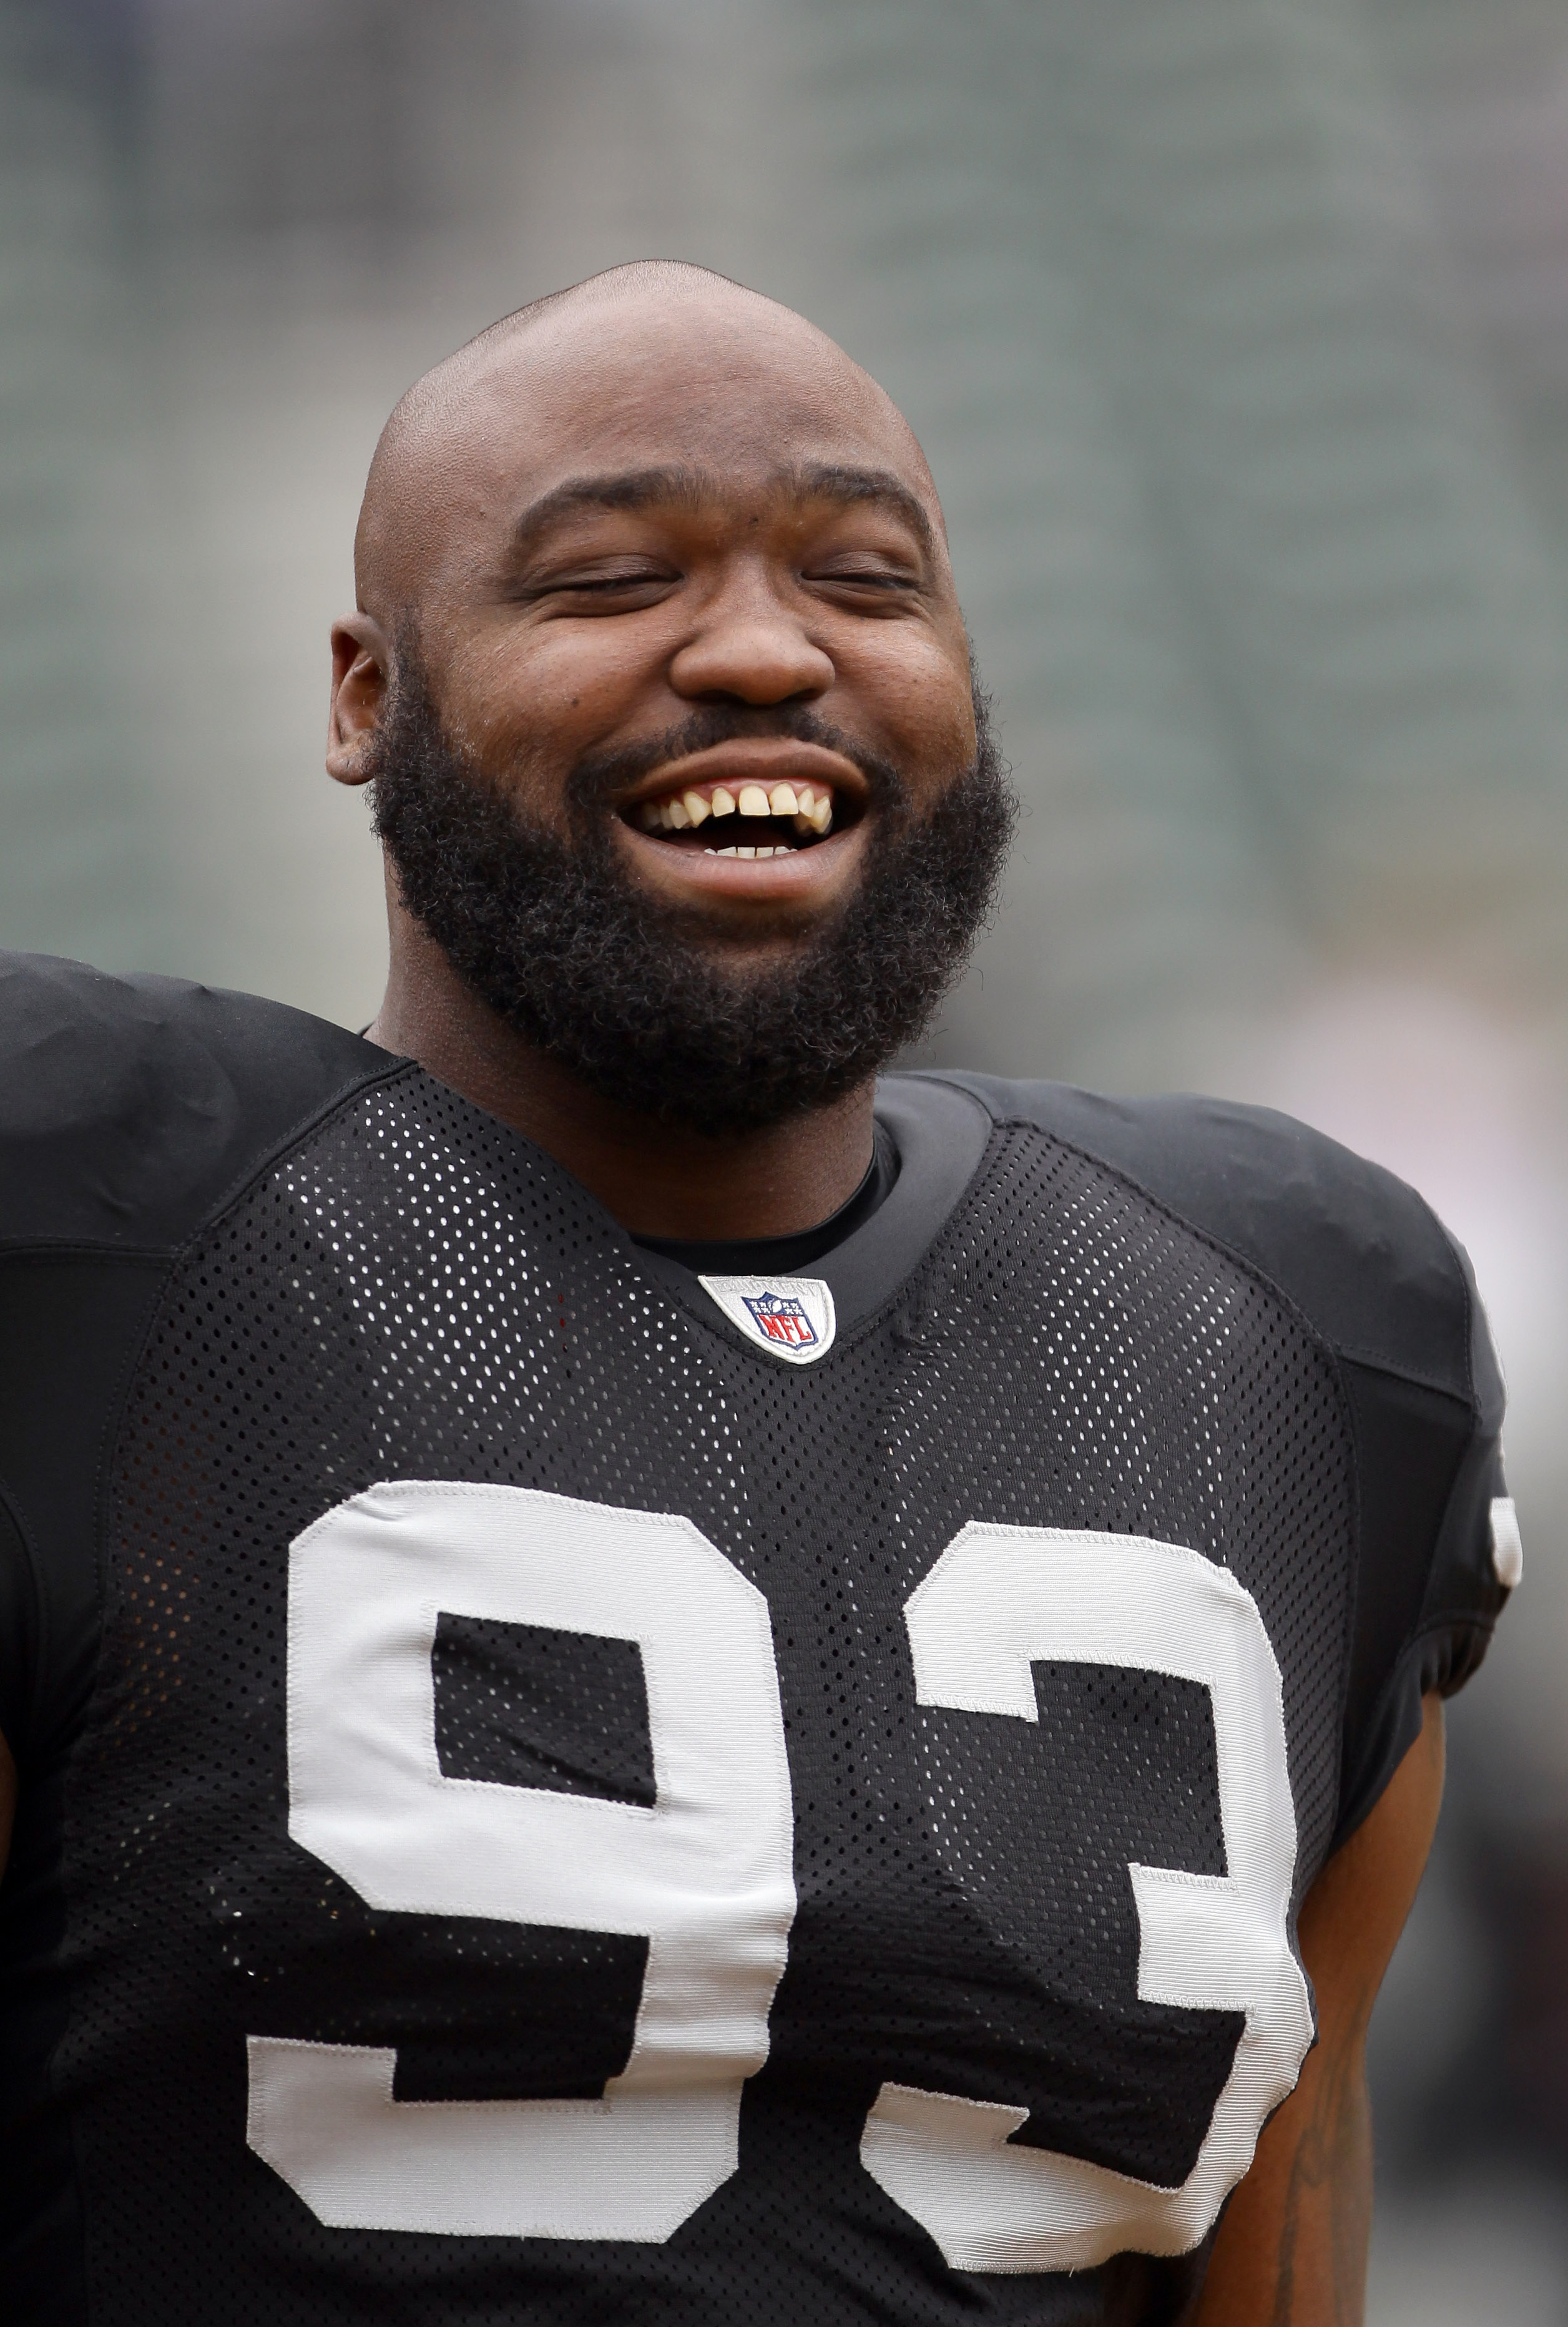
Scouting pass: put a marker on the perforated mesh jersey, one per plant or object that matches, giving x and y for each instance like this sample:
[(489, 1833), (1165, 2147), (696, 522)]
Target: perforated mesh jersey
[(1160, 1329)]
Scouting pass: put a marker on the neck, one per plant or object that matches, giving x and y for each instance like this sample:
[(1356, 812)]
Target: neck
[(657, 1178)]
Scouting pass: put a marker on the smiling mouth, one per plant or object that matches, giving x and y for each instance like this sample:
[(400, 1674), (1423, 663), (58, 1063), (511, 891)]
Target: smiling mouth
[(740, 819)]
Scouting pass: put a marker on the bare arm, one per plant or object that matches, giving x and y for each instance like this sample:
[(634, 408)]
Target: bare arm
[(1291, 2251)]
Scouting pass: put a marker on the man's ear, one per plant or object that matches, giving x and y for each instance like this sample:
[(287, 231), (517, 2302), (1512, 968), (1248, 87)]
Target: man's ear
[(361, 675)]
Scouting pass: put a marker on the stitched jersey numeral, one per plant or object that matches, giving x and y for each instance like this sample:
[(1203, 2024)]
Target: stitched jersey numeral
[(704, 1874), (999, 1600)]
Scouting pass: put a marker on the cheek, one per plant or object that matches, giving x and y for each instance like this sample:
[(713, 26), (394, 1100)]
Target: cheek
[(541, 698), (919, 692)]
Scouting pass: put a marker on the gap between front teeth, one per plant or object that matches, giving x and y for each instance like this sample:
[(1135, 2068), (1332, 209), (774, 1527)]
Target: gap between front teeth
[(810, 809)]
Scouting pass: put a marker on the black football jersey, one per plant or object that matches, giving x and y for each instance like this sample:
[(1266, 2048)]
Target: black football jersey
[(562, 1786)]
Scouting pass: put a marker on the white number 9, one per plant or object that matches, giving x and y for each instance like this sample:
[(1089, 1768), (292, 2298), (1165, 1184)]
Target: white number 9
[(705, 1874)]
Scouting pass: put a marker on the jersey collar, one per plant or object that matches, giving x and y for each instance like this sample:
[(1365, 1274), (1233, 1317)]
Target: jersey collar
[(941, 1132)]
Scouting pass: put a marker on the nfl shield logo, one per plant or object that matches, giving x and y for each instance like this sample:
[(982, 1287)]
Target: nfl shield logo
[(782, 1318), (790, 1317)]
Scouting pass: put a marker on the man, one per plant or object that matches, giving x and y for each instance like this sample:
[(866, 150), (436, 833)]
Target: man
[(650, 1679)]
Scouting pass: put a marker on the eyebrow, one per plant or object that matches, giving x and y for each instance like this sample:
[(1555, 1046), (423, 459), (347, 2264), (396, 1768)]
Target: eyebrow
[(695, 488)]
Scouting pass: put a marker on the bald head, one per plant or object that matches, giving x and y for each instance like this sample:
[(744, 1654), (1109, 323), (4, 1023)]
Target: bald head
[(654, 364)]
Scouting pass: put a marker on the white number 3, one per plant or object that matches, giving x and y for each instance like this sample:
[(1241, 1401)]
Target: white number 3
[(705, 1873), (999, 1599)]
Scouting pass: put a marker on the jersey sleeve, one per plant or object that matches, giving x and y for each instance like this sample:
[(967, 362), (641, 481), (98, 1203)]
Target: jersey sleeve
[(1440, 1550), (131, 1109)]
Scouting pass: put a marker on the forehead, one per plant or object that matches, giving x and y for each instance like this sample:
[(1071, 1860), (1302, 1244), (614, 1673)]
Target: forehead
[(747, 397)]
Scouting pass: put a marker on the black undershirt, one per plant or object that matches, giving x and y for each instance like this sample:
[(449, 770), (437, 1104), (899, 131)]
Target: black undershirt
[(786, 1256)]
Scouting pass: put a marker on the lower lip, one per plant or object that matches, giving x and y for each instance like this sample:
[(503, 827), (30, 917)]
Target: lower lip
[(800, 873)]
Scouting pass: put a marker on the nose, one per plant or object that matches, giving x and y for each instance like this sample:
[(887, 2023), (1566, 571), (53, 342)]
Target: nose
[(750, 648)]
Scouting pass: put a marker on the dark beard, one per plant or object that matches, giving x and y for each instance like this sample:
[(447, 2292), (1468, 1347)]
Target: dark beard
[(557, 939)]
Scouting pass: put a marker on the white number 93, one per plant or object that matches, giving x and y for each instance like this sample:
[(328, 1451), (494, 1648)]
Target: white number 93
[(705, 1874)]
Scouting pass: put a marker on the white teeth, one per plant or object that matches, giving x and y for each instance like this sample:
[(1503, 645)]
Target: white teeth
[(807, 809)]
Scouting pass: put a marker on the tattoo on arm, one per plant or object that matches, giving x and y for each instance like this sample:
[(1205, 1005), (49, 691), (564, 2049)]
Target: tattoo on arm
[(1330, 2169)]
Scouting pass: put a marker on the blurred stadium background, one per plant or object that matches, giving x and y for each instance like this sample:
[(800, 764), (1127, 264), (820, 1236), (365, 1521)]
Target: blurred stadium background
[(1237, 334)]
